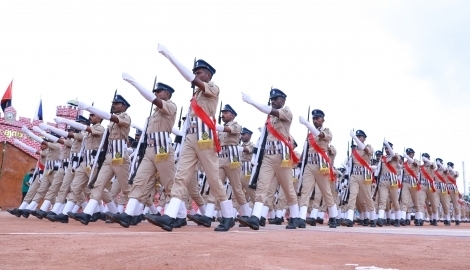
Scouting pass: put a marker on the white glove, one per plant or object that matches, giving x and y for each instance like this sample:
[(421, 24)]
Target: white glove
[(425, 159), (43, 133), (389, 147), (408, 158), (31, 135), (262, 107), (450, 169), (359, 144), (30, 181), (219, 128), (23, 145), (129, 151), (101, 114), (75, 125), (148, 95), (240, 148), (176, 132), (57, 131), (134, 125), (373, 167), (310, 127), (185, 72)]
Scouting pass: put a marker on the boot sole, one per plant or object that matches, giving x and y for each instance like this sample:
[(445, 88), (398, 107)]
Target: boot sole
[(125, 225), (249, 225), (166, 228)]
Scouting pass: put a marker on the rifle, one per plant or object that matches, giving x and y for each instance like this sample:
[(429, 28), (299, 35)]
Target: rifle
[(402, 175), (141, 146), (259, 152), (304, 159), (219, 121), (378, 175), (102, 150)]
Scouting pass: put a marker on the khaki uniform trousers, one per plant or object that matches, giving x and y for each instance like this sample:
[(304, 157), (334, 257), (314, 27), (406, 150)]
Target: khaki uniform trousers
[(425, 195), (271, 169), (271, 194), (233, 176), (54, 188), (105, 175), (386, 190), (46, 182), (148, 195), (445, 201), (32, 190), (311, 177), (409, 198), (146, 173), (115, 193), (454, 196), (78, 185), (193, 191), (317, 197), (189, 157), (249, 192), (65, 186), (360, 191)]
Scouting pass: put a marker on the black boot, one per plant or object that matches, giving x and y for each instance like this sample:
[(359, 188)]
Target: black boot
[(14, 212), (262, 221), (252, 222), (245, 217), (434, 222), (320, 220), (348, 223), (180, 222), (387, 223), (24, 212), (373, 223), (202, 220), (278, 221), (122, 219), (311, 221), (293, 223), (402, 222), (165, 222), (380, 222), (95, 217), (447, 223), (397, 223), (332, 222), (82, 217), (301, 223), (60, 217), (407, 222), (225, 225), (36, 213), (457, 223), (416, 222), (365, 223)]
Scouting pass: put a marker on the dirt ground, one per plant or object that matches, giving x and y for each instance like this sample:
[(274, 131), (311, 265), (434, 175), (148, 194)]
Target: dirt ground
[(39, 244)]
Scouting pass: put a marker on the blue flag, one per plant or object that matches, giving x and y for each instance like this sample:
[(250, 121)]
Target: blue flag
[(38, 115)]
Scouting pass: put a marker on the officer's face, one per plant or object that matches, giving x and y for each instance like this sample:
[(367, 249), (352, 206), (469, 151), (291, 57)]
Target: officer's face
[(361, 138), (386, 151), (278, 102), (246, 137), (227, 116), (43, 146), (162, 94), (119, 107), (94, 119), (318, 121), (411, 155), (203, 74)]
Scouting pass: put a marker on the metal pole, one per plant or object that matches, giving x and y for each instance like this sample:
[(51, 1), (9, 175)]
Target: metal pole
[(465, 192)]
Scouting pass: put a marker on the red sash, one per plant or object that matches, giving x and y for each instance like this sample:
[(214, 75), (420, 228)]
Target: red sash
[(391, 169), (278, 136), (363, 163), (428, 177), (451, 179), (442, 179), (40, 165), (201, 114), (412, 173), (322, 153)]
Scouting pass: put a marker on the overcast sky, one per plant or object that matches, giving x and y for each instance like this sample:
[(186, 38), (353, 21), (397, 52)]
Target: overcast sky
[(395, 69)]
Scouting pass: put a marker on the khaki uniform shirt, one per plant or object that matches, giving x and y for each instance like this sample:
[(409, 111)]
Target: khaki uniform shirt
[(120, 131), (77, 142), (246, 157), (362, 153), (281, 124), (207, 99), (322, 142), (54, 151), (232, 137), (93, 139), (162, 120)]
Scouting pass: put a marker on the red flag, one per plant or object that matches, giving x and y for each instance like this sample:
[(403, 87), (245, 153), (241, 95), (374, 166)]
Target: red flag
[(6, 99)]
